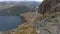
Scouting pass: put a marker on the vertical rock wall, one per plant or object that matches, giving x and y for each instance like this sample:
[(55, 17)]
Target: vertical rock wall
[(48, 6), (50, 24)]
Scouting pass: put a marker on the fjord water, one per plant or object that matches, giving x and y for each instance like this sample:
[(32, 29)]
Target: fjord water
[(9, 22)]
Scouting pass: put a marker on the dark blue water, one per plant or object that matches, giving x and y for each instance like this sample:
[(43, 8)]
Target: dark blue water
[(9, 22)]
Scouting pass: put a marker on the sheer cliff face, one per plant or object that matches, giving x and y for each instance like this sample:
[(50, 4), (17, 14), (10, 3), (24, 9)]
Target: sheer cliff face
[(48, 6), (50, 24)]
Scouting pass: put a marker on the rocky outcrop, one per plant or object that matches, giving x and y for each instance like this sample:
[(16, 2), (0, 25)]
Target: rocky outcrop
[(49, 6), (32, 17), (50, 9), (49, 25)]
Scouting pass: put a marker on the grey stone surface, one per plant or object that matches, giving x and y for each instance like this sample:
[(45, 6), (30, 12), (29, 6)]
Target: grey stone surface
[(48, 26)]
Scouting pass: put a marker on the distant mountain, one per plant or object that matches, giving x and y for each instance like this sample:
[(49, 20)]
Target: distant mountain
[(20, 3), (14, 11), (17, 7), (5, 7)]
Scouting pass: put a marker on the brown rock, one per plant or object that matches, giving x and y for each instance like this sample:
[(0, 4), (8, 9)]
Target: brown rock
[(49, 6)]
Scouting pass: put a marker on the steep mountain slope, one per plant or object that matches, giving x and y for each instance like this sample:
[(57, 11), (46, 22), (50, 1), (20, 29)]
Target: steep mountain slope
[(5, 7), (20, 3), (15, 8), (14, 11)]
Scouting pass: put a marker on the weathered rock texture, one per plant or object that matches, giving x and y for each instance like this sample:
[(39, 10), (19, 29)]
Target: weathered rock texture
[(50, 9), (49, 25), (49, 6)]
